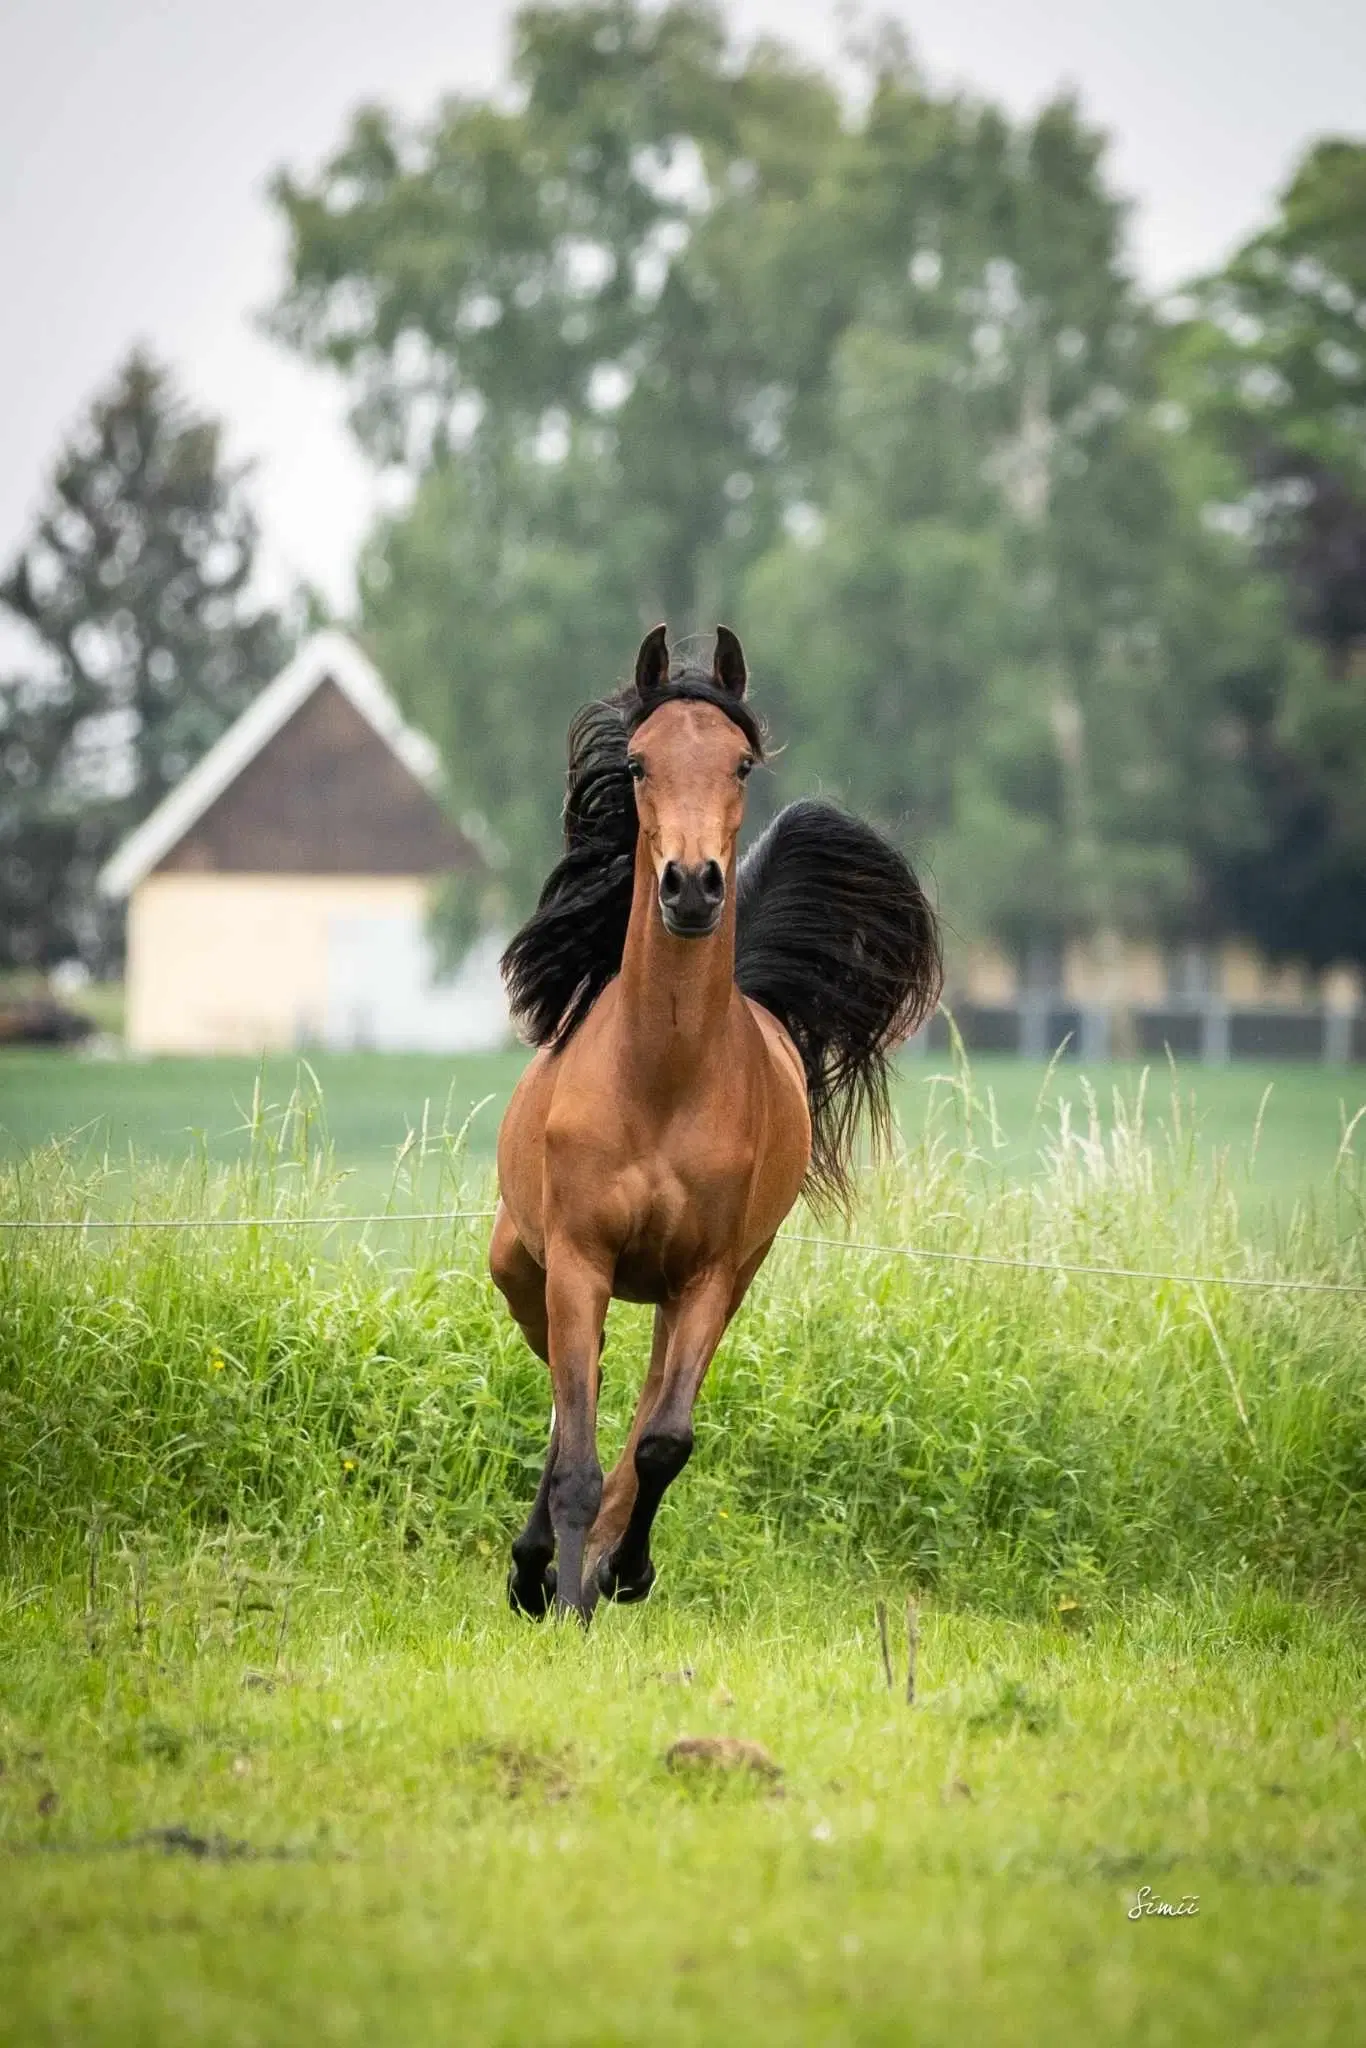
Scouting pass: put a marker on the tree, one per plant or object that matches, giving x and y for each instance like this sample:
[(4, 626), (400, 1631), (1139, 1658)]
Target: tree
[(606, 257), (593, 327), (1270, 368), (132, 592), (679, 332), (1006, 627)]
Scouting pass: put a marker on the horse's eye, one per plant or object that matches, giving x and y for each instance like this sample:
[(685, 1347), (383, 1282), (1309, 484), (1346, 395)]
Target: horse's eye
[(636, 768), (744, 768)]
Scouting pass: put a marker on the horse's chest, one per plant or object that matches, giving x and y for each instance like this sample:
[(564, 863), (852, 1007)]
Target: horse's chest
[(668, 1190), (670, 1228)]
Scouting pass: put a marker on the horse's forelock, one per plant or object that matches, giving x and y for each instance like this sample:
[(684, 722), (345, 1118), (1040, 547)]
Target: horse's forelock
[(693, 686)]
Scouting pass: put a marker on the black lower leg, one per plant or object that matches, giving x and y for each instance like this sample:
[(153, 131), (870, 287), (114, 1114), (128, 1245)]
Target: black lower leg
[(575, 1497), (531, 1582), (627, 1573)]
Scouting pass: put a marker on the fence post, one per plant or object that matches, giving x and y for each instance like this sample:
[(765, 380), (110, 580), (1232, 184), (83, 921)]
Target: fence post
[(1337, 1037), (1214, 1031), (1095, 1033), (1034, 1010)]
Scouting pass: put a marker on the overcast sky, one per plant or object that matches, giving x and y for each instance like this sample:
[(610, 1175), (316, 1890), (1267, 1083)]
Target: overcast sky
[(137, 136)]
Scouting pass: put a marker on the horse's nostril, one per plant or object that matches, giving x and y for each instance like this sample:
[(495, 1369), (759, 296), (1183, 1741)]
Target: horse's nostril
[(713, 881), (671, 882)]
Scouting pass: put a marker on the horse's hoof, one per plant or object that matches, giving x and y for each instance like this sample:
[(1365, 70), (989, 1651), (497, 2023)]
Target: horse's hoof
[(625, 1592), (535, 1600)]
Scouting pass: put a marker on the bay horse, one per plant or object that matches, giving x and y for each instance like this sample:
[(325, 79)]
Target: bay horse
[(709, 1043)]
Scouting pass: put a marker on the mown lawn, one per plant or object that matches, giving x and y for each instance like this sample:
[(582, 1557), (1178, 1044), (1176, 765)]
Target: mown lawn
[(1278, 1126), (396, 1814)]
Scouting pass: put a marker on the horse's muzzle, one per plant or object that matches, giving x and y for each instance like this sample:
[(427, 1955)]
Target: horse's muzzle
[(691, 899)]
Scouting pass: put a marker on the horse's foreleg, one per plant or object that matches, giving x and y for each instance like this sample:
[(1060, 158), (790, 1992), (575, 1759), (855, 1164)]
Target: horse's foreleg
[(664, 1444), (531, 1581), (577, 1294), (619, 1487)]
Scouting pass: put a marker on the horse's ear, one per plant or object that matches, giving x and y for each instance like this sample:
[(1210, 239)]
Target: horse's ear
[(728, 670), (652, 662)]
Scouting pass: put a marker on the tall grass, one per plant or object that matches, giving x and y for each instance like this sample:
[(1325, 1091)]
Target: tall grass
[(1014, 1436)]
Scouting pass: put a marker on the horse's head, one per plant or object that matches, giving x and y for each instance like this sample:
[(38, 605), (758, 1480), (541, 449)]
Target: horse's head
[(693, 744)]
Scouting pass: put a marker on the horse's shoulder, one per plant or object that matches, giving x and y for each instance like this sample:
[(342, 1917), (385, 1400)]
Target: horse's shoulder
[(535, 1080)]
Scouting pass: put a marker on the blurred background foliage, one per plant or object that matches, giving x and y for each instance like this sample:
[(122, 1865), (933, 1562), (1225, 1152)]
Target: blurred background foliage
[(133, 600), (1064, 586)]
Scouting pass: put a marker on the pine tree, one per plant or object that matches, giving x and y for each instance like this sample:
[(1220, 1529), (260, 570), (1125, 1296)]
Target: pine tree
[(132, 593)]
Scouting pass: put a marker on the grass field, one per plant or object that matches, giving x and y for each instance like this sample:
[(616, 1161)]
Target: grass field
[(171, 1108), (277, 1766), (424, 1822)]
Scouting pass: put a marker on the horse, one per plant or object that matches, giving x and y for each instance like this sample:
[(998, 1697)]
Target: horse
[(710, 1038)]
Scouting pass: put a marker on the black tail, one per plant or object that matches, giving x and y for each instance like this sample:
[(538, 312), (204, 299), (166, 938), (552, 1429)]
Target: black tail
[(837, 939)]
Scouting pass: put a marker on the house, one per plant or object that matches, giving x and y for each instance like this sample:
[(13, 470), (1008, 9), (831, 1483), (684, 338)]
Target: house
[(277, 896)]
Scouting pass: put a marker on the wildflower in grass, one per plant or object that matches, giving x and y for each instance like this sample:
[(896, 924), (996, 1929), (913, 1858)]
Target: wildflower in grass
[(217, 1364), (348, 1464)]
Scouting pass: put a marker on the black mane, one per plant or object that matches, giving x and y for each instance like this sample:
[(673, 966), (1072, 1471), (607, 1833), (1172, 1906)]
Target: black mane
[(834, 935)]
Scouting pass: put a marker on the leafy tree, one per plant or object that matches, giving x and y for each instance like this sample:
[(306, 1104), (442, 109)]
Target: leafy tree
[(606, 257), (1272, 372), (676, 332), (131, 593), (594, 328), (1007, 627)]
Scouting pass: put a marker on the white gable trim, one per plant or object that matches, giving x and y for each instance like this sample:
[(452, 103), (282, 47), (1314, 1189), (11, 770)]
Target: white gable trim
[(326, 655)]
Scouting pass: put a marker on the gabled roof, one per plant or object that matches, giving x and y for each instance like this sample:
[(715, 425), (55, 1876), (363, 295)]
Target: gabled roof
[(328, 656)]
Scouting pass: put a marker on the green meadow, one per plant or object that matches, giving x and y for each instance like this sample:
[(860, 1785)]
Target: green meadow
[(276, 1764), (422, 1822), (1277, 1127)]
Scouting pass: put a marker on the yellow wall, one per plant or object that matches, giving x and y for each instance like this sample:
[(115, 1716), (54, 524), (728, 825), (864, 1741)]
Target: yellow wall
[(986, 975), (238, 963), (1112, 971)]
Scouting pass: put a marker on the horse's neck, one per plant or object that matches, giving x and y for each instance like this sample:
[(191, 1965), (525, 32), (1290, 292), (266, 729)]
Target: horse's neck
[(675, 993)]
